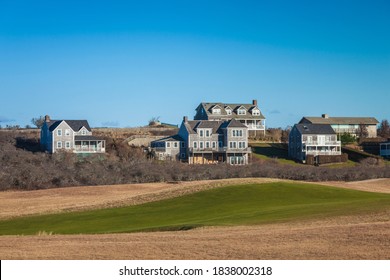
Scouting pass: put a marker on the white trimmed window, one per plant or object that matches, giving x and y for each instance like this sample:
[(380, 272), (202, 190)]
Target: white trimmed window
[(201, 132), (207, 145), (228, 111), (83, 132), (241, 111), (67, 145), (256, 112), (237, 133), (201, 146), (59, 145), (168, 144), (214, 145), (176, 145), (207, 132), (59, 132), (216, 111), (241, 145), (233, 145)]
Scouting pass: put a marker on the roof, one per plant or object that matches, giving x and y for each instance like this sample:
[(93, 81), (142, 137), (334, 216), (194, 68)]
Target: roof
[(169, 139), (76, 125), (249, 107), (235, 123), (87, 138), (340, 120), (315, 129)]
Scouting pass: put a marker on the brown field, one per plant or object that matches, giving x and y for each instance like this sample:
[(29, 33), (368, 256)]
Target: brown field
[(350, 237)]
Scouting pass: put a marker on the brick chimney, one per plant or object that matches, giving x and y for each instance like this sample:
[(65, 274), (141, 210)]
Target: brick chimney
[(185, 119), (254, 102), (47, 118)]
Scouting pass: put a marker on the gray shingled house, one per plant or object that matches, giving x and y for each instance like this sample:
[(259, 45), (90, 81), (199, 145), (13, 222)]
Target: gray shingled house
[(345, 124), (313, 139), (206, 142), (248, 114), (70, 135)]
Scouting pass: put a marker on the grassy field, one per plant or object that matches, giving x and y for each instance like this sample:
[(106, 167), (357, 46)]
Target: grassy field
[(227, 206)]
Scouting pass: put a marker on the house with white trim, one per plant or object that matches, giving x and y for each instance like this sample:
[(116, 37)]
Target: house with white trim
[(206, 142), (70, 135), (248, 114)]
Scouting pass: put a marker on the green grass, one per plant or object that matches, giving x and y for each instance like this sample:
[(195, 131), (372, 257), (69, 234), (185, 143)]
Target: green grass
[(268, 151), (232, 205)]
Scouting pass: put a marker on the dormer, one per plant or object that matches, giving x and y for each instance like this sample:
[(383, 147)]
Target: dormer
[(228, 110), (84, 131), (216, 110), (255, 111), (241, 111)]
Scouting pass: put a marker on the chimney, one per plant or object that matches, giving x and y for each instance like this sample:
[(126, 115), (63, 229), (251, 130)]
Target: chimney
[(47, 118), (254, 102), (185, 119), (325, 116)]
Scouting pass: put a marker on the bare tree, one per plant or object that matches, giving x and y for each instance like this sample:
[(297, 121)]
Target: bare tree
[(384, 129), (362, 131), (38, 122)]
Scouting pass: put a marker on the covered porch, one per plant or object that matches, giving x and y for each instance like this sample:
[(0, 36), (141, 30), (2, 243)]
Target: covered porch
[(89, 144)]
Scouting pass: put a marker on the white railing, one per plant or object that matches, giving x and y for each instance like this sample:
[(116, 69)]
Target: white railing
[(319, 143)]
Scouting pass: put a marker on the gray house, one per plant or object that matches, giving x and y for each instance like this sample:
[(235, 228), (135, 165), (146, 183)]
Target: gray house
[(313, 139), (70, 135), (206, 142), (342, 125), (248, 114)]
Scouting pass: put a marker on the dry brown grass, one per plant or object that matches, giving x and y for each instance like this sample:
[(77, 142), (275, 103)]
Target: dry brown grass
[(352, 237), (363, 237)]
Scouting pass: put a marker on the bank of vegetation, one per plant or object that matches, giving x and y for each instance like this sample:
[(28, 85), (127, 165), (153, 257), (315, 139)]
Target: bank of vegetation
[(25, 167)]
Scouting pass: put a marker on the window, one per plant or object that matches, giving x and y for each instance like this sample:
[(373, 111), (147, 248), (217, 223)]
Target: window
[(183, 144), (241, 111), (233, 145), (241, 145), (237, 160), (201, 132), (59, 145), (216, 111), (228, 111), (183, 155), (59, 132), (195, 145), (256, 112), (168, 144), (201, 145), (207, 133), (67, 145), (67, 132), (83, 132), (214, 145), (176, 145), (207, 145), (237, 133)]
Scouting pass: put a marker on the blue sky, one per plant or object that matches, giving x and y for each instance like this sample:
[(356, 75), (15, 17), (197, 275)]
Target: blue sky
[(120, 63)]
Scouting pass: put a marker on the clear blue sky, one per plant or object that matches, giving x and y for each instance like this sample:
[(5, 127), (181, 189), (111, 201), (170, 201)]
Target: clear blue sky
[(120, 63)]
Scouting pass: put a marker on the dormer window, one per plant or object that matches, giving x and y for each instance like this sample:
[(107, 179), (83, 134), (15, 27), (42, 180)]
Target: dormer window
[(256, 112), (228, 110), (83, 132), (216, 111), (201, 131), (241, 111)]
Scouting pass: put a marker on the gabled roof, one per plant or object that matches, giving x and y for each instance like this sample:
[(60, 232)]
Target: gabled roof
[(315, 129), (235, 123), (87, 138), (75, 125), (169, 139), (340, 120), (234, 107)]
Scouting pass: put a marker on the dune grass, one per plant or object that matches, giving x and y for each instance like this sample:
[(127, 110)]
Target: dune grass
[(231, 205)]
